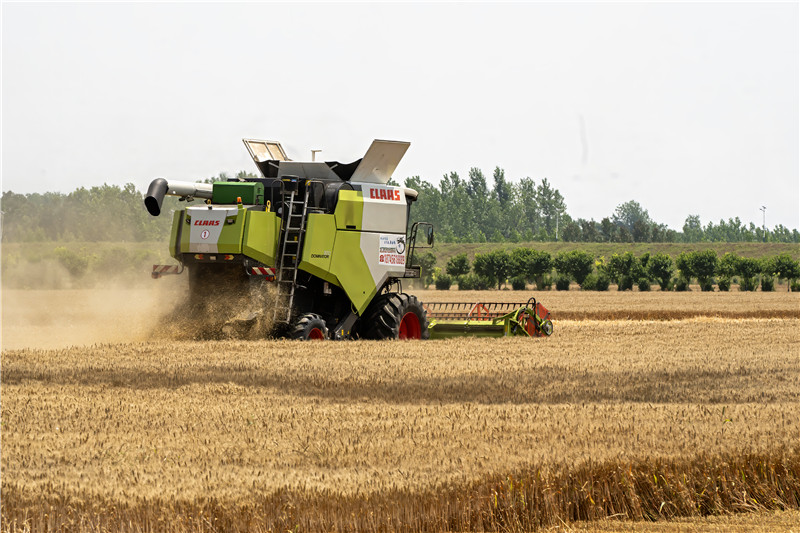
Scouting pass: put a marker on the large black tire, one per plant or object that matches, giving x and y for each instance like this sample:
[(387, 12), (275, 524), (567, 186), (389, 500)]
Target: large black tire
[(310, 327), (394, 316)]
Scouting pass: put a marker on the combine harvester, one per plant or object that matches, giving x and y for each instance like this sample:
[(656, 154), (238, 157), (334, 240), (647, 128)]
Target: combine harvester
[(333, 237)]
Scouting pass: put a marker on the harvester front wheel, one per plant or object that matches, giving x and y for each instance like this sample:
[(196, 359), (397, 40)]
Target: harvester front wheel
[(395, 316), (310, 327)]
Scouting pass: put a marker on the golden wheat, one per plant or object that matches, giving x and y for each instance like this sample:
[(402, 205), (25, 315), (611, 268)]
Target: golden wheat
[(403, 435)]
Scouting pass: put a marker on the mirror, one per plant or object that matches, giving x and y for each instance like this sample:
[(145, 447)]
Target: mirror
[(429, 232)]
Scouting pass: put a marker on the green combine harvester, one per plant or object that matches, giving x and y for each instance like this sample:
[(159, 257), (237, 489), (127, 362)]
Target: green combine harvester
[(334, 238)]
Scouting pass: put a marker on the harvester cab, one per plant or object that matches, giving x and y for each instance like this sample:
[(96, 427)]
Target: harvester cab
[(334, 238)]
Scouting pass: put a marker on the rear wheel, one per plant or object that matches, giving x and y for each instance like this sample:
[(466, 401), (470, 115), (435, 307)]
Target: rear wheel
[(310, 327), (395, 316)]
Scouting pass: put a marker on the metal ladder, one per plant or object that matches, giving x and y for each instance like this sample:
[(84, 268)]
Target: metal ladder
[(289, 259)]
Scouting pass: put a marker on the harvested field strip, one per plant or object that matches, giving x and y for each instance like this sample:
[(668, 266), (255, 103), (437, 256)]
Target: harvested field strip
[(656, 305), (56, 319), (535, 497), (674, 314), (708, 360)]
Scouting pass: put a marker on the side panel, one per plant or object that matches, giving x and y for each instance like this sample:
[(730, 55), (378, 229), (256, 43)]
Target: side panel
[(385, 255), (369, 243), (261, 236), (318, 246), (175, 234), (349, 210), (350, 267), (230, 240)]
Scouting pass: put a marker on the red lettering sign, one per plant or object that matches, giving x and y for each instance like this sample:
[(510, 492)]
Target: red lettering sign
[(385, 194), (206, 222)]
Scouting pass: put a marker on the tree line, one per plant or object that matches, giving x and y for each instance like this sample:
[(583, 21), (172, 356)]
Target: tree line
[(472, 210), (461, 210), (523, 266), (103, 213)]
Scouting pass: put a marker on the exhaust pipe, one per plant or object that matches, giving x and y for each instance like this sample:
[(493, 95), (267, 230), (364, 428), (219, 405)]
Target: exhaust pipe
[(159, 188)]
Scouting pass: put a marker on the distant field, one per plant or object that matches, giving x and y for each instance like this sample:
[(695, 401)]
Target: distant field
[(609, 417), (127, 260)]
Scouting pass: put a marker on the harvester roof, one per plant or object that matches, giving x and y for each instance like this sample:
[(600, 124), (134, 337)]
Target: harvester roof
[(376, 166)]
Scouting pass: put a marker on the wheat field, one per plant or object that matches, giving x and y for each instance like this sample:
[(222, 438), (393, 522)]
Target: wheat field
[(611, 420)]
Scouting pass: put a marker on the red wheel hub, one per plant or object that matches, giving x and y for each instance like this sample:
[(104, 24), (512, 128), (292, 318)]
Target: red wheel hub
[(409, 327), (315, 335)]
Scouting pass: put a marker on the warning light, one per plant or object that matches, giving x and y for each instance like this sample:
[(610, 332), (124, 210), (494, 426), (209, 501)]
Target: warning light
[(238, 199), (198, 256)]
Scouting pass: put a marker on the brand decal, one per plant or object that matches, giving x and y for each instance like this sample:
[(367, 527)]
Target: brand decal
[(206, 222), (382, 193), (391, 250), (323, 255)]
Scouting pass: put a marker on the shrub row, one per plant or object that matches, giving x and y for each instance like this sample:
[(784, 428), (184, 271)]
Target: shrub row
[(523, 266)]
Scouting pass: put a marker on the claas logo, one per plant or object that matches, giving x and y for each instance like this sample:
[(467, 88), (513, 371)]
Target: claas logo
[(385, 194), (206, 222)]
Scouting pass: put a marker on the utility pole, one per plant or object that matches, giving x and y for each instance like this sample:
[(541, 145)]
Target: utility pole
[(314, 154), (764, 221)]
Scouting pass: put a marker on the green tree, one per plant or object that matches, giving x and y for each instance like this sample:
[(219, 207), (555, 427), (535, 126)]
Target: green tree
[(728, 265), (540, 264), (703, 267), (619, 266), (748, 268), (426, 261), (684, 265), (608, 230), (531, 265), (576, 263), (660, 268), (551, 205), (519, 262), (692, 229), (458, 265), (635, 219), (784, 267), (495, 265), (571, 232)]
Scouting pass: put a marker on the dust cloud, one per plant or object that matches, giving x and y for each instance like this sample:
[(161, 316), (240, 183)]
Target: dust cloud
[(225, 314), (134, 309)]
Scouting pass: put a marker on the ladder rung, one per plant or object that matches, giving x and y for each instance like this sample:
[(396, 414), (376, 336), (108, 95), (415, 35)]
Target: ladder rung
[(288, 263)]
